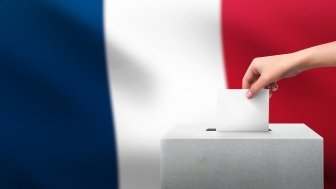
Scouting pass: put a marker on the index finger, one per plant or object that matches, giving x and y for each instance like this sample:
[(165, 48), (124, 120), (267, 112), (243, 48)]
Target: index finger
[(248, 78)]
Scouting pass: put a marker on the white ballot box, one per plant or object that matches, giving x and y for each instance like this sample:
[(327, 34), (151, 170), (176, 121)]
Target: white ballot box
[(197, 157)]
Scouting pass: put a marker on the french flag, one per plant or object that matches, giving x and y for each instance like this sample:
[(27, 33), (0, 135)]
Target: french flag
[(88, 88)]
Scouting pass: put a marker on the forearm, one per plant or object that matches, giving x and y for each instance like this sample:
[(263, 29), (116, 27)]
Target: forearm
[(317, 56)]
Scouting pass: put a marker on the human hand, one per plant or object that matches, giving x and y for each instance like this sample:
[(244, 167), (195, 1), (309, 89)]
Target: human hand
[(266, 71)]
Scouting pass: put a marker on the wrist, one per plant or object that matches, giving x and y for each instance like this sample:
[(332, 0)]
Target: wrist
[(302, 60)]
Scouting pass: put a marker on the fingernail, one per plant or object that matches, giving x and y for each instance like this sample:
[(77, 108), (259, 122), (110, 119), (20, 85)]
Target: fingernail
[(249, 94)]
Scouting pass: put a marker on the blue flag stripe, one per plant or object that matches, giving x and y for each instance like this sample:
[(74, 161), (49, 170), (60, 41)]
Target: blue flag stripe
[(55, 117)]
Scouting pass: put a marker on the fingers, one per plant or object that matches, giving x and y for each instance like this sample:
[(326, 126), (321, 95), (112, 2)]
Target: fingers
[(254, 80), (272, 87), (248, 79), (256, 87)]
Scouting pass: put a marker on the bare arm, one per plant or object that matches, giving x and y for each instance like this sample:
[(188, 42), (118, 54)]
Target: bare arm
[(265, 70)]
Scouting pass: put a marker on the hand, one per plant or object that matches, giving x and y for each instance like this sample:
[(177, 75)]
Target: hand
[(265, 71)]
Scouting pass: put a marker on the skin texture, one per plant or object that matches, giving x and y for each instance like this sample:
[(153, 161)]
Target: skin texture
[(264, 72)]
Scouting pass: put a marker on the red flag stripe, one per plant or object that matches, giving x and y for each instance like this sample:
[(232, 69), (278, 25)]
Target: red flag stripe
[(261, 28)]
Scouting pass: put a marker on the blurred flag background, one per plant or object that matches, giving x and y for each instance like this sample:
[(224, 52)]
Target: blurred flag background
[(87, 88)]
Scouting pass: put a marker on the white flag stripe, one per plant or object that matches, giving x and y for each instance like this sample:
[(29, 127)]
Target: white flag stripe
[(165, 66)]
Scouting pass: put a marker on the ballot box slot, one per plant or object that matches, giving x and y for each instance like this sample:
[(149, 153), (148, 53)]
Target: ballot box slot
[(214, 129)]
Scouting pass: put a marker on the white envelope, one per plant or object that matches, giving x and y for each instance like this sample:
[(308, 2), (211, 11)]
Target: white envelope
[(237, 113)]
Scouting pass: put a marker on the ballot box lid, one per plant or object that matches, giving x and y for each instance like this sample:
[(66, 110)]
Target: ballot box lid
[(208, 131)]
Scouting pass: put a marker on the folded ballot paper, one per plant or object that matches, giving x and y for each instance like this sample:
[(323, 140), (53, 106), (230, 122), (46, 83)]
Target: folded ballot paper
[(237, 113)]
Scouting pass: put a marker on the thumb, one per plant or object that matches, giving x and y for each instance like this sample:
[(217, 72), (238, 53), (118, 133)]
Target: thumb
[(256, 87)]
